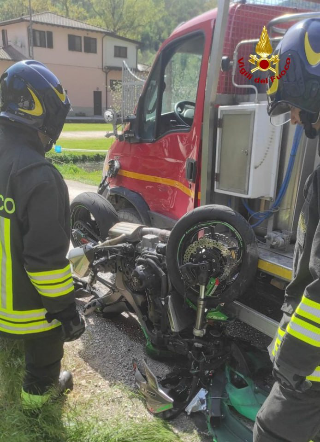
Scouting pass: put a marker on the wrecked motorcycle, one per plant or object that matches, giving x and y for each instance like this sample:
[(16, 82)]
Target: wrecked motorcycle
[(178, 284)]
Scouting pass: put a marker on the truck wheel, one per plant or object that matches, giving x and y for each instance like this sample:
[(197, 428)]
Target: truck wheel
[(223, 240), (129, 215), (91, 218)]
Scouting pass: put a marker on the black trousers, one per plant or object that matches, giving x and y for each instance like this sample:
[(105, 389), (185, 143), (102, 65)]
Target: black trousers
[(43, 354), (288, 416)]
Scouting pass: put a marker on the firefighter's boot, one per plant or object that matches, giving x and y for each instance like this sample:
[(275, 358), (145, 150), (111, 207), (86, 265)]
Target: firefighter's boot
[(65, 384), (34, 402)]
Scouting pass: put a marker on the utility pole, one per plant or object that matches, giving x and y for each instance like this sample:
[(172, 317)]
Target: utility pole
[(30, 33)]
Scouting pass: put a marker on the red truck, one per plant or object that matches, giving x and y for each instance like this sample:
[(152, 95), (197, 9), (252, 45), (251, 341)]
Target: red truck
[(160, 153), (200, 135)]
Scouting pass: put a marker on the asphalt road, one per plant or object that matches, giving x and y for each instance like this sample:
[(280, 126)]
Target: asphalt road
[(75, 188)]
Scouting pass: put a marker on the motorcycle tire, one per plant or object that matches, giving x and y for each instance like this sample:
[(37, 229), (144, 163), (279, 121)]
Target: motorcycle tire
[(196, 221), (93, 215), (129, 216)]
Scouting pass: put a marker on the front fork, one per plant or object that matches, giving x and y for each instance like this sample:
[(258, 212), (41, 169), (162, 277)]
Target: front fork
[(206, 287)]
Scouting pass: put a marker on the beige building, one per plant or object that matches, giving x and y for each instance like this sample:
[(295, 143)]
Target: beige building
[(87, 59)]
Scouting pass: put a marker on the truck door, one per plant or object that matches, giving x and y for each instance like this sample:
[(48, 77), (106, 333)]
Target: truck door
[(163, 165)]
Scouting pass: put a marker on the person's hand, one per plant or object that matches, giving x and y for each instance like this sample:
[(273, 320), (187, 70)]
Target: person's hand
[(289, 379), (72, 322)]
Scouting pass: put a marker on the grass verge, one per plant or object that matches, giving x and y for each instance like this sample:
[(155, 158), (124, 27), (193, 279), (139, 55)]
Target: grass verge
[(65, 161), (86, 127), (70, 419), (72, 172), (88, 144)]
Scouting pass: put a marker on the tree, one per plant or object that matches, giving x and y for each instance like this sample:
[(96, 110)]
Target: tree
[(17, 8), (175, 13), (150, 21), (127, 18)]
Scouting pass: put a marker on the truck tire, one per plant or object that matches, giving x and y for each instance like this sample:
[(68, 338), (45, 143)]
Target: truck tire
[(129, 215), (211, 233), (93, 216)]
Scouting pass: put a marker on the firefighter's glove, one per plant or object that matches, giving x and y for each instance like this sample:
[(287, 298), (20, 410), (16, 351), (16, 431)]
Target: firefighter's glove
[(289, 379), (72, 322)]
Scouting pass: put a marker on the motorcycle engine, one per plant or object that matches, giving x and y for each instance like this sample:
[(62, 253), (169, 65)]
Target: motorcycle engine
[(146, 275), (142, 277)]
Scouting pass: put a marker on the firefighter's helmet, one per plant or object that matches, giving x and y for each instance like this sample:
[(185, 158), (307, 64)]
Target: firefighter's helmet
[(297, 79), (32, 95)]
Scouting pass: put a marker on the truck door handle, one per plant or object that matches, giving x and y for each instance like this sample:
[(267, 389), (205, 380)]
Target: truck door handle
[(191, 170)]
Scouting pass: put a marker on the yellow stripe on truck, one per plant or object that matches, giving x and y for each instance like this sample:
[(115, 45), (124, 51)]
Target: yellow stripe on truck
[(275, 270), (156, 179)]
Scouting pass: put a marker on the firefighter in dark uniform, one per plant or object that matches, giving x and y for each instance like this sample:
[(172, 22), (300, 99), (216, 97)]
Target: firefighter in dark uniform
[(37, 301), (291, 413)]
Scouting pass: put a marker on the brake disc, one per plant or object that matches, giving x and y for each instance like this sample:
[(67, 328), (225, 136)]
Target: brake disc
[(206, 243)]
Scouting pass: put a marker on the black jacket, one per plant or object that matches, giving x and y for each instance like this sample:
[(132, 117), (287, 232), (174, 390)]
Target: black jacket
[(35, 275), (298, 342)]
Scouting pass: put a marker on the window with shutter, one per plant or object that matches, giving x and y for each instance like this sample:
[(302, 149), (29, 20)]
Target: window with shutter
[(49, 39), (74, 43), (121, 51), (42, 39), (90, 45)]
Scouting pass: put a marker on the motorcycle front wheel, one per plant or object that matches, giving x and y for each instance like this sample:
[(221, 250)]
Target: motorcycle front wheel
[(222, 239)]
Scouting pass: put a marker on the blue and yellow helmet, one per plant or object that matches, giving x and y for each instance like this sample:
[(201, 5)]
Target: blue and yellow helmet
[(32, 95), (297, 79)]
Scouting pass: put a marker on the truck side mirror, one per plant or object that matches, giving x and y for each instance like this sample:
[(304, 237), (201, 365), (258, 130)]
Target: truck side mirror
[(109, 116), (131, 134)]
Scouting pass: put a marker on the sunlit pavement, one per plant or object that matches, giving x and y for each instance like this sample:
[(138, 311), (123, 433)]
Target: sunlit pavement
[(75, 188), (82, 135)]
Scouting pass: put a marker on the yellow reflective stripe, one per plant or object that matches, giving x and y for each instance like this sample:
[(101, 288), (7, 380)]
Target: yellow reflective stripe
[(2, 291), (7, 245), (315, 376), (40, 311), (310, 303), (6, 265), (156, 179), (44, 286), (24, 316), (53, 283), (35, 281), (21, 329), (40, 276), (278, 341), (304, 331), (276, 346), (309, 309), (56, 293)]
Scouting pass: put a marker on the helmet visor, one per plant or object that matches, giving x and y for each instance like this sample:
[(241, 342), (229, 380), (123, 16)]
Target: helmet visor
[(280, 113)]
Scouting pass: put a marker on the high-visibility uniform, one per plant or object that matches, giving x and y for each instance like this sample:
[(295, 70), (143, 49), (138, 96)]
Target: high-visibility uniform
[(297, 344), (35, 276), (288, 415)]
